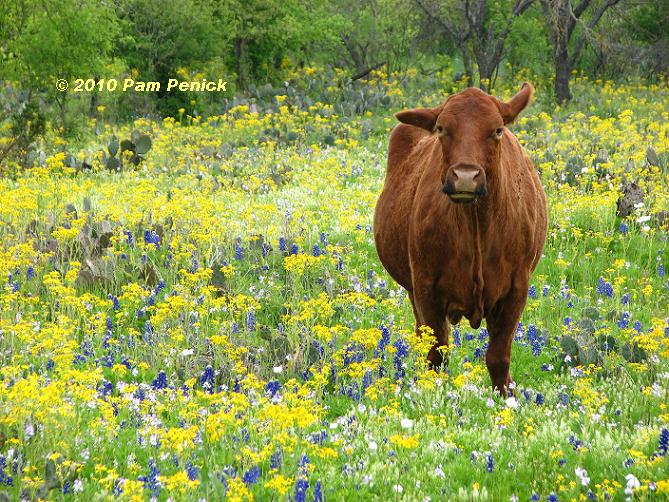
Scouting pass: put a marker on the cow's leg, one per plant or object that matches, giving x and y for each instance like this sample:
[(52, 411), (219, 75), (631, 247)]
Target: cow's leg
[(502, 325), (430, 312)]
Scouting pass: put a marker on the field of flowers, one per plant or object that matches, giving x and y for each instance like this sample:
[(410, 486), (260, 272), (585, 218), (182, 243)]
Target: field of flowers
[(215, 322)]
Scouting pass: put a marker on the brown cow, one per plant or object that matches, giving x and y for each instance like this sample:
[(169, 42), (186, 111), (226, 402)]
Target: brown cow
[(461, 222)]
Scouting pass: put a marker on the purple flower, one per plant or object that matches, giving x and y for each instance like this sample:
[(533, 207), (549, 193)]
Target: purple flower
[(604, 288), (663, 447), (532, 292), (207, 379), (151, 237), (402, 350), (490, 463), (272, 387), (252, 475), (301, 487), (318, 492), (623, 228), (251, 320), (160, 382)]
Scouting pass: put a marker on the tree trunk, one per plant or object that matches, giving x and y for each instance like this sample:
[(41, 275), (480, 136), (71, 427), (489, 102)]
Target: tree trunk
[(562, 74), (239, 55), (93, 105), (467, 62)]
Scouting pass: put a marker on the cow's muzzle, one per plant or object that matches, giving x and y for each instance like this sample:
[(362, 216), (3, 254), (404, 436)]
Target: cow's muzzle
[(465, 182)]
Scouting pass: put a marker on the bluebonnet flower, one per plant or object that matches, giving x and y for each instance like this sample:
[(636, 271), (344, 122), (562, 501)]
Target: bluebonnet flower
[(324, 239), (151, 481), (148, 332), (128, 237), (552, 498), (304, 462), (539, 399), (623, 228), (251, 320), (318, 492), (575, 442), (301, 487), (207, 379), (637, 326), (402, 350), (316, 251), (490, 463), (366, 380), (660, 270), (272, 387), (535, 496), (276, 460), (160, 382), (252, 475), (545, 290), (532, 292), (456, 337), (318, 437), (294, 249), (384, 341), (282, 243), (30, 272), (239, 253), (663, 447), (536, 348), (625, 299), (604, 288), (624, 321), (117, 490), (151, 237)]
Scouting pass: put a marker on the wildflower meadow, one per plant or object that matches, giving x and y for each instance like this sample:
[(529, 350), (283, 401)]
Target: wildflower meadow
[(192, 308)]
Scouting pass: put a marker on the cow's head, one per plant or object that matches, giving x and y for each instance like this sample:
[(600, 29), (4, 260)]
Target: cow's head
[(470, 127)]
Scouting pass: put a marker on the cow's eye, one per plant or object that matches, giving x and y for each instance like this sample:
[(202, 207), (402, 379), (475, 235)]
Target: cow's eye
[(440, 129), (498, 132)]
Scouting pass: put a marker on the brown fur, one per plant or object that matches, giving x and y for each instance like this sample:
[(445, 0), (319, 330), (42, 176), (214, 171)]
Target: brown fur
[(472, 260)]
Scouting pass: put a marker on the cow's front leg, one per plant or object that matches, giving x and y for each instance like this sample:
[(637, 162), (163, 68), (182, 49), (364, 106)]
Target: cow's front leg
[(502, 323), (429, 311)]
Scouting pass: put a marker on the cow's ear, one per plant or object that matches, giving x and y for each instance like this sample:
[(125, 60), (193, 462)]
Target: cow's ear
[(419, 117), (510, 109)]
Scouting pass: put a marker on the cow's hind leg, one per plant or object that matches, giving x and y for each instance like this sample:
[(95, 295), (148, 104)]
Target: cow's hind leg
[(502, 325), (429, 312)]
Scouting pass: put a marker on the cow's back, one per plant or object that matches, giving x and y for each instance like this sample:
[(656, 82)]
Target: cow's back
[(394, 207)]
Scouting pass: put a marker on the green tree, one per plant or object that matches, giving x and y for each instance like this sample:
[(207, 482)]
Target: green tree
[(56, 39)]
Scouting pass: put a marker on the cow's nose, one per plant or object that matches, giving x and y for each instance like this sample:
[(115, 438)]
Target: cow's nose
[(465, 179), (464, 182)]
